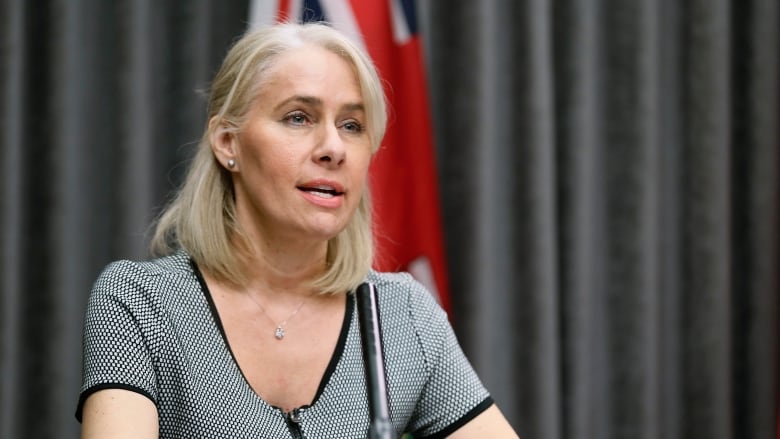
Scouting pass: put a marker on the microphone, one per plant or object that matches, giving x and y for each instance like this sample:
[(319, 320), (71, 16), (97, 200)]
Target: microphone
[(380, 426)]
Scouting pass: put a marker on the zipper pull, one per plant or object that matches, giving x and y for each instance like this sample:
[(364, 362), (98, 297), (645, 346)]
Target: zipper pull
[(294, 415)]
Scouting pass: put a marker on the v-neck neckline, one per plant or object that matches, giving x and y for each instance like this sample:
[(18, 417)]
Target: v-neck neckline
[(332, 364)]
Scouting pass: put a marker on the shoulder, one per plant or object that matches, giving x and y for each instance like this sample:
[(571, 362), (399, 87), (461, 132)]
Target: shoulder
[(176, 263), (408, 308), (126, 277), (402, 290)]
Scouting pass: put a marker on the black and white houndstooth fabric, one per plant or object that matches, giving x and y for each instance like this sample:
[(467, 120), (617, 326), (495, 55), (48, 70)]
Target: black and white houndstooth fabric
[(151, 327)]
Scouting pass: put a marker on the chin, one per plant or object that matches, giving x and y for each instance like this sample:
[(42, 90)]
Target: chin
[(319, 232), (328, 227), (327, 235)]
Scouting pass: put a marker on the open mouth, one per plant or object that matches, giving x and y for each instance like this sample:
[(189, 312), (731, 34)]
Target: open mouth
[(322, 191)]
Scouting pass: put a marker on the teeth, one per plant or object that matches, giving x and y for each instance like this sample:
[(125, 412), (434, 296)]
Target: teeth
[(322, 194), (322, 191)]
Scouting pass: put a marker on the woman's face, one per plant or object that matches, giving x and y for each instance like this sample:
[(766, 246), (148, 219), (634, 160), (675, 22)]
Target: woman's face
[(303, 154)]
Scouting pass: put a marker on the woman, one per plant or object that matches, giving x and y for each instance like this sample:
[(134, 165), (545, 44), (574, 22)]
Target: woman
[(244, 327)]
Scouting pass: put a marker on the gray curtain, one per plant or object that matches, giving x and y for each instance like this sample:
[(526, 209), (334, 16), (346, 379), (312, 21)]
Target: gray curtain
[(609, 187), (610, 198), (99, 111)]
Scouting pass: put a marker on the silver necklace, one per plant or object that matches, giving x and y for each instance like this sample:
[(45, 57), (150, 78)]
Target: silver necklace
[(279, 331)]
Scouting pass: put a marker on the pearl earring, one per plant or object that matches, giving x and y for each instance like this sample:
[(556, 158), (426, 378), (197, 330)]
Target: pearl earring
[(231, 163)]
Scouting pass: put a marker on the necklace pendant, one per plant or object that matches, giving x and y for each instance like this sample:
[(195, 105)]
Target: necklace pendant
[(279, 333)]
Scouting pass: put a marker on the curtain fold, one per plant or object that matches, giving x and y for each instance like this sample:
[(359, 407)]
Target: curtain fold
[(99, 111), (579, 205), (707, 240), (755, 118), (625, 192), (12, 49), (609, 179)]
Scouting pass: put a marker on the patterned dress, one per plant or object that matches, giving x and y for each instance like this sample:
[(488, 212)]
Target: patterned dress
[(151, 327)]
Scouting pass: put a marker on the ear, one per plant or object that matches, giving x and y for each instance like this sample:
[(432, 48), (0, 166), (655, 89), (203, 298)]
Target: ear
[(224, 144)]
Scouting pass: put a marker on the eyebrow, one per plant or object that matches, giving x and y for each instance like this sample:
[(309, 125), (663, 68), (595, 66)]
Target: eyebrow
[(315, 101)]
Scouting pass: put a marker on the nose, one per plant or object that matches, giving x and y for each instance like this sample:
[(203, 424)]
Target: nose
[(330, 150)]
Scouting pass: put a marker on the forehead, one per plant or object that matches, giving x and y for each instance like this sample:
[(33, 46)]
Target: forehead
[(310, 67)]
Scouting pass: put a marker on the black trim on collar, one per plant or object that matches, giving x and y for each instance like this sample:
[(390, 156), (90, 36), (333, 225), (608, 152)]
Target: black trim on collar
[(338, 352)]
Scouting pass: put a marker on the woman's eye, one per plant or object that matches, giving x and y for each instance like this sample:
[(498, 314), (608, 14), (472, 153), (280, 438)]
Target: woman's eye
[(353, 127), (296, 118)]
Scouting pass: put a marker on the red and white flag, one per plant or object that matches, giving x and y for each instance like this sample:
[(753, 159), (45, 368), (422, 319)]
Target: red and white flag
[(404, 185)]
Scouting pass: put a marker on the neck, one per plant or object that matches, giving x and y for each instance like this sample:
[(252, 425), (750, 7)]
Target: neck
[(284, 269)]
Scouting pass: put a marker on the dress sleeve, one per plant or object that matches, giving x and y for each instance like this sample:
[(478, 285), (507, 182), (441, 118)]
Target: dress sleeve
[(118, 333), (453, 394)]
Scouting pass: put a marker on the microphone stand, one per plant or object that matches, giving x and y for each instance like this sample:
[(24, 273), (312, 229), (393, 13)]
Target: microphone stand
[(380, 426)]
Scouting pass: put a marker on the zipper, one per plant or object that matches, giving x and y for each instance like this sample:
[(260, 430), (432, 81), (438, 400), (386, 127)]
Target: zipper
[(293, 418)]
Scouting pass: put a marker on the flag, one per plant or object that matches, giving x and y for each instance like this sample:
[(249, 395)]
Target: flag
[(404, 186)]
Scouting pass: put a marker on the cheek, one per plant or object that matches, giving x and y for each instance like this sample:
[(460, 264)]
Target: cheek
[(362, 160), (361, 171), (272, 163), (261, 145), (279, 166)]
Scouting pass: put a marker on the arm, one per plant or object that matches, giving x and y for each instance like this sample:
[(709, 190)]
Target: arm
[(119, 381), (119, 414), (453, 403), (490, 423)]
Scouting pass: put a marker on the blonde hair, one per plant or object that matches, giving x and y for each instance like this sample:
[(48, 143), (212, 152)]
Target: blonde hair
[(201, 218)]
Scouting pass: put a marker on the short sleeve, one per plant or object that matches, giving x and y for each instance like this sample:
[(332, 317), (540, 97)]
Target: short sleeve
[(453, 393), (118, 333)]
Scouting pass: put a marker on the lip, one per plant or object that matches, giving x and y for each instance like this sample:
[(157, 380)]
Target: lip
[(331, 196), (323, 183)]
